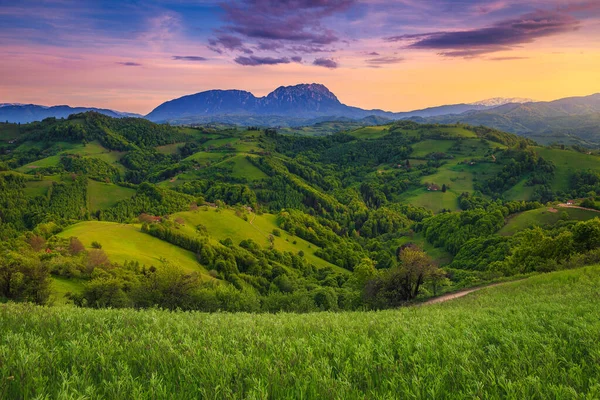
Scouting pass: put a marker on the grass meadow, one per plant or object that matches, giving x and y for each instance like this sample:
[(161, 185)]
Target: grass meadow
[(123, 242), (533, 339)]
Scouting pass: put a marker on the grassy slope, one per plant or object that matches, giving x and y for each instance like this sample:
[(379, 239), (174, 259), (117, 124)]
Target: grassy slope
[(242, 168), (225, 223), (123, 242), (103, 195), (91, 150), (566, 163), (371, 132), (536, 338), (169, 148), (543, 217), (61, 286)]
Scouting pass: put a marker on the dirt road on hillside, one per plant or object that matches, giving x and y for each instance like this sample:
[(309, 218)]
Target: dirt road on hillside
[(456, 295)]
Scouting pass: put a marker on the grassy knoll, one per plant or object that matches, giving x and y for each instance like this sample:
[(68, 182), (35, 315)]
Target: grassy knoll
[(123, 242), (51, 161), (566, 163), (544, 217), (242, 168), (520, 191), (425, 147), (61, 286), (169, 148), (225, 223), (91, 150), (371, 132), (203, 156), (431, 200), (536, 338), (103, 195)]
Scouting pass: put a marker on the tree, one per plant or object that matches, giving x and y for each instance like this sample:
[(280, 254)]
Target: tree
[(400, 284), (586, 234), (363, 272), (24, 278), (75, 246), (36, 242), (145, 218), (444, 188), (96, 258), (415, 268)]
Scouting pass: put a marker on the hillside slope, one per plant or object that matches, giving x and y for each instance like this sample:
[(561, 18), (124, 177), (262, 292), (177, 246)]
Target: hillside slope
[(496, 343)]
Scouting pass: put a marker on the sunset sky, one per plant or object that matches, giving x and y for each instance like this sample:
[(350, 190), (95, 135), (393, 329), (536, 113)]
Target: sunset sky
[(394, 55)]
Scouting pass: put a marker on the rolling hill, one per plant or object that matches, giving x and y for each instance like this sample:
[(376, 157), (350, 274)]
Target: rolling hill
[(536, 338), (573, 120), (26, 113), (281, 215)]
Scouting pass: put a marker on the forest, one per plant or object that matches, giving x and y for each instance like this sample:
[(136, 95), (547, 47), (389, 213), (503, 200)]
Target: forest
[(271, 222)]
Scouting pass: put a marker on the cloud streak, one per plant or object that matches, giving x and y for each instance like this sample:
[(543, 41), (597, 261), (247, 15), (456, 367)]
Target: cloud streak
[(503, 35), (385, 60), (325, 62), (254, 61), (189, 58), (129, 64)]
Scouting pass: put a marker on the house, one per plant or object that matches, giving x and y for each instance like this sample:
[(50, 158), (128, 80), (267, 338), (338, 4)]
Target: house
[(433, 187)]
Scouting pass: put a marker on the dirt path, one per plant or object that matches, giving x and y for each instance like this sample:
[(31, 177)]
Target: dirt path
[(456, 295), (572, 206)]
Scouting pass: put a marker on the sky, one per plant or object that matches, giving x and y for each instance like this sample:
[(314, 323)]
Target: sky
[(392, 55)]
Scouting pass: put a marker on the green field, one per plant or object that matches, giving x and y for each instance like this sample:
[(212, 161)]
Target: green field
[(91, 150), (220, 142), (104, 195), (123, 242), (544, 217), (421, 149), (51, 161), (61, 286), (37, 188), (434, 201), (203, 156), (225, 224), (532, 339), (566, 163), (169, 148), (371, 132), (242, 168)]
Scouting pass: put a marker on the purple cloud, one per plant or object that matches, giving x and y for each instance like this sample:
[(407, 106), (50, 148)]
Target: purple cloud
[(385, 60), (228, 42), (130, 64), (325, 62), (254, 61), (189, 58), (296, 59), (269, 46), (507, 58), (297, 25), (503, 35), (310, 49)]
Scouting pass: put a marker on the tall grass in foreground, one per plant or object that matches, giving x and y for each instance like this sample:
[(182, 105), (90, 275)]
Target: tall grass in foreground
[(538, 338)]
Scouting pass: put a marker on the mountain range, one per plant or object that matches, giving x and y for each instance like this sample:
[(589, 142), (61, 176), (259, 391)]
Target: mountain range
[(25, 113), (574, 120), (302, 102)]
